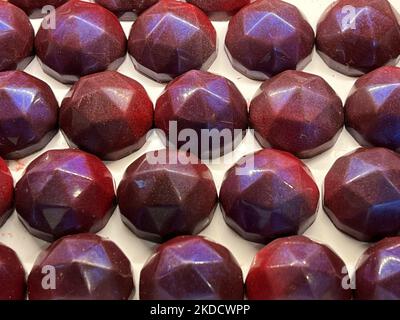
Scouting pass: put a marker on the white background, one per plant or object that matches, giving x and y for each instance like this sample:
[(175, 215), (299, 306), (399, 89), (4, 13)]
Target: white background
[(27, 247)]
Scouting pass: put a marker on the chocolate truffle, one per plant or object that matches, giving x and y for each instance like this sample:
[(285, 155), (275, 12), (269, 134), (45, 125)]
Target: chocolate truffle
[(269, 194), (191, 268), (87, 38), (81, 267), (65, 192), (167, 193), (106, 114), (362, 193)]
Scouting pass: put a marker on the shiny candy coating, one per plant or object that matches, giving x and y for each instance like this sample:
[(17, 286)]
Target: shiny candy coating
[(6, 192), (199, 101), (65, 192), (373, 109), (296, 268), (87, 39), (297, 112), (29, 112), (267, 195), (357, 36), (12, 275), (362, 194), (191, 268), (211, 6), (106, 114), (36, 8), (378, 271), (125, 9), (268, 37), (162, 199), (171, 38), (16, 38), (86, 267)]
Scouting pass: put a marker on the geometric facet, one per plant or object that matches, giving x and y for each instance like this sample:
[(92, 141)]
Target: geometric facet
[(29, 112), (159, 201), (171, 38), (209, 107), (267, 195), (373, 109), (378, 271), (85, 267), (362, 194), (87, 38), (268, 37), (297, 112), (65, 192), (16, 38), (355, 37), (106, 114), (296, 268), (191, 268)]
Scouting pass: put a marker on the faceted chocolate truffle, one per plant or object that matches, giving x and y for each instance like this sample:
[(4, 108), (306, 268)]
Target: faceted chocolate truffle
[(16, 38), (378, 271), (373, 109), (209, 106), (35, 8), (12, 275), (297, 112), (269, 194), (296, 268), (219, 6), (268, 37), (167, 193), (65, 192), (357, 36), (171, 38), (362, 194), (29, 112), (191, 268), (87, 38), (106, 114), (81, 267), (126, 9), (6, 193)]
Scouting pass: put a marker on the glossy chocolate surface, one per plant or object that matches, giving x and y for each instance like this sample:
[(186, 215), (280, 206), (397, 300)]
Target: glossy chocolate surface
[(215, 6), (164, 194), (65, 192), (191, 268), (200, 102), (357, 36), (297, 112), (85, 267), (16, 38), (12, 275), (378, 271), (106, 114), (267, 195), (29, 112), (373, 109), (87, 39), (362, 194), (296, 268), (6, 192), (37, 8), (268, 37), (126, 9), (171, 38)]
